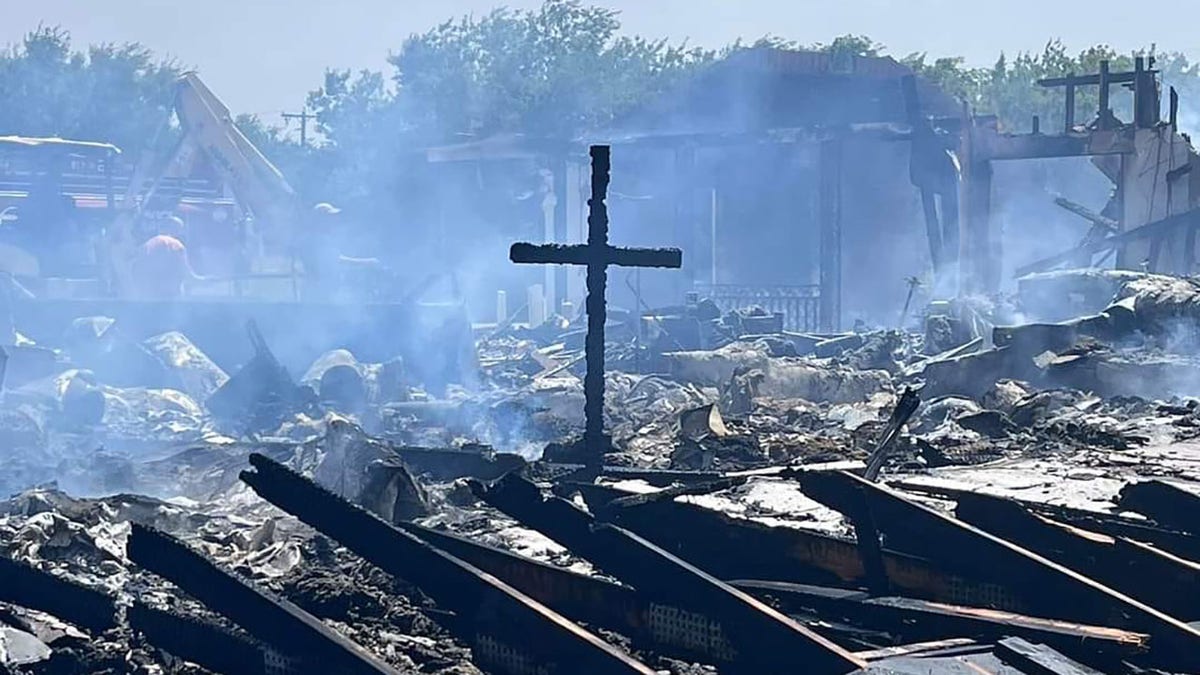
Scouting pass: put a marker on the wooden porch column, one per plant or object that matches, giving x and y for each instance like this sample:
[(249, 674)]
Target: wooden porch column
[(829, 216), (687, 222), (979, 262)]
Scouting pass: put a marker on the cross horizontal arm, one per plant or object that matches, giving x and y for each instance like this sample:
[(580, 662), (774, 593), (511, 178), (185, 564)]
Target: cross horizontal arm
[(645, 257), (563, 254), (584, 254)]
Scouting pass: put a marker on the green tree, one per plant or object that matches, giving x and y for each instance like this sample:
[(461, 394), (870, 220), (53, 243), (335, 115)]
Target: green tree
[(117, 93), (552, 71), (1009, 88), (555, 70)]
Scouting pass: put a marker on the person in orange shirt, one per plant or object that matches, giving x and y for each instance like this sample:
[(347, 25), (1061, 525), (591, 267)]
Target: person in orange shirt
[(161, 266)]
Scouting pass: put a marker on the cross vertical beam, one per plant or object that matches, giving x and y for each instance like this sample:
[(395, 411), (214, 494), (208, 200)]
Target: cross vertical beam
[(594, 440), (597, 254)]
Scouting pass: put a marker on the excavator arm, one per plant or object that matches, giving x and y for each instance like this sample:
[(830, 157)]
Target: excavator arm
[(207, 133), (256, 183)]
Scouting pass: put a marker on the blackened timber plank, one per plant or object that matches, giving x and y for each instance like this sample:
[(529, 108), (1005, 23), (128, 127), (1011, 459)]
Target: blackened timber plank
[(1082, 80), (507, 629), (913, 620), (1034, 659), (1053, 588), (25, 585), (272, 620), (588, 599), (739, 548), (1029, 146), (206, 644), (921, 648), (1166, 504), (750, 623), (1158, 579), (1178, 543), (729, 622)]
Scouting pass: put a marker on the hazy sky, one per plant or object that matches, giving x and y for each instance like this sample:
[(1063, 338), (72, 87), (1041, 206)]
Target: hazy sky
[(262, 56)]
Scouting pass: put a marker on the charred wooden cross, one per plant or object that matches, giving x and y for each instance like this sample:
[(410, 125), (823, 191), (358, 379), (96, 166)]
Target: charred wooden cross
[(597, 254)]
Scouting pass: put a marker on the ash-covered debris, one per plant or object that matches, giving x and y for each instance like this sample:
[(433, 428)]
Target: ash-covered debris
[(1061, 414)]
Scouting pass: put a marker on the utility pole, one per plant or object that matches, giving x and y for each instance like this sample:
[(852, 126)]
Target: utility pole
[(304, 117)]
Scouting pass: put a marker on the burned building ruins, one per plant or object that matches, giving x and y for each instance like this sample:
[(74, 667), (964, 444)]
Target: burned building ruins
[(781, 173), (779, 385)]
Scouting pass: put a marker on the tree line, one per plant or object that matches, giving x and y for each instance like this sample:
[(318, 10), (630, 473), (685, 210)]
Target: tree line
[(559, 69)]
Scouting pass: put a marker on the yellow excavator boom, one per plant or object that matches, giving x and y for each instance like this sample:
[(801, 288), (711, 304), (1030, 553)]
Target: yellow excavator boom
[(207, 131), (256, 183)]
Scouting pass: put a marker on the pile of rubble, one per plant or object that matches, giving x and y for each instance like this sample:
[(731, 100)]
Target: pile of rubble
[(1039, 509)]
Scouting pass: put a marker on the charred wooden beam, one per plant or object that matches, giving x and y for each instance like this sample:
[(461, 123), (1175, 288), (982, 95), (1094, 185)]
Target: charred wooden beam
[(508, 629), (659, 477), (587, 599), (909, 401), (738, 548), (719, 619), (1177, 543), (25, 585), (957, 645), (201, 642), (1105, 112), (1158, 228), (1091, 216), (448, 464), (1085, 80), (1069, 117), (1034, 659), (765, 635), (1164, 503), (655, 477), (912, 620), (584, 598), (1005, 147), (624, 501), (275, 621), (920, 171), (1053, 589), (1159, 579)]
